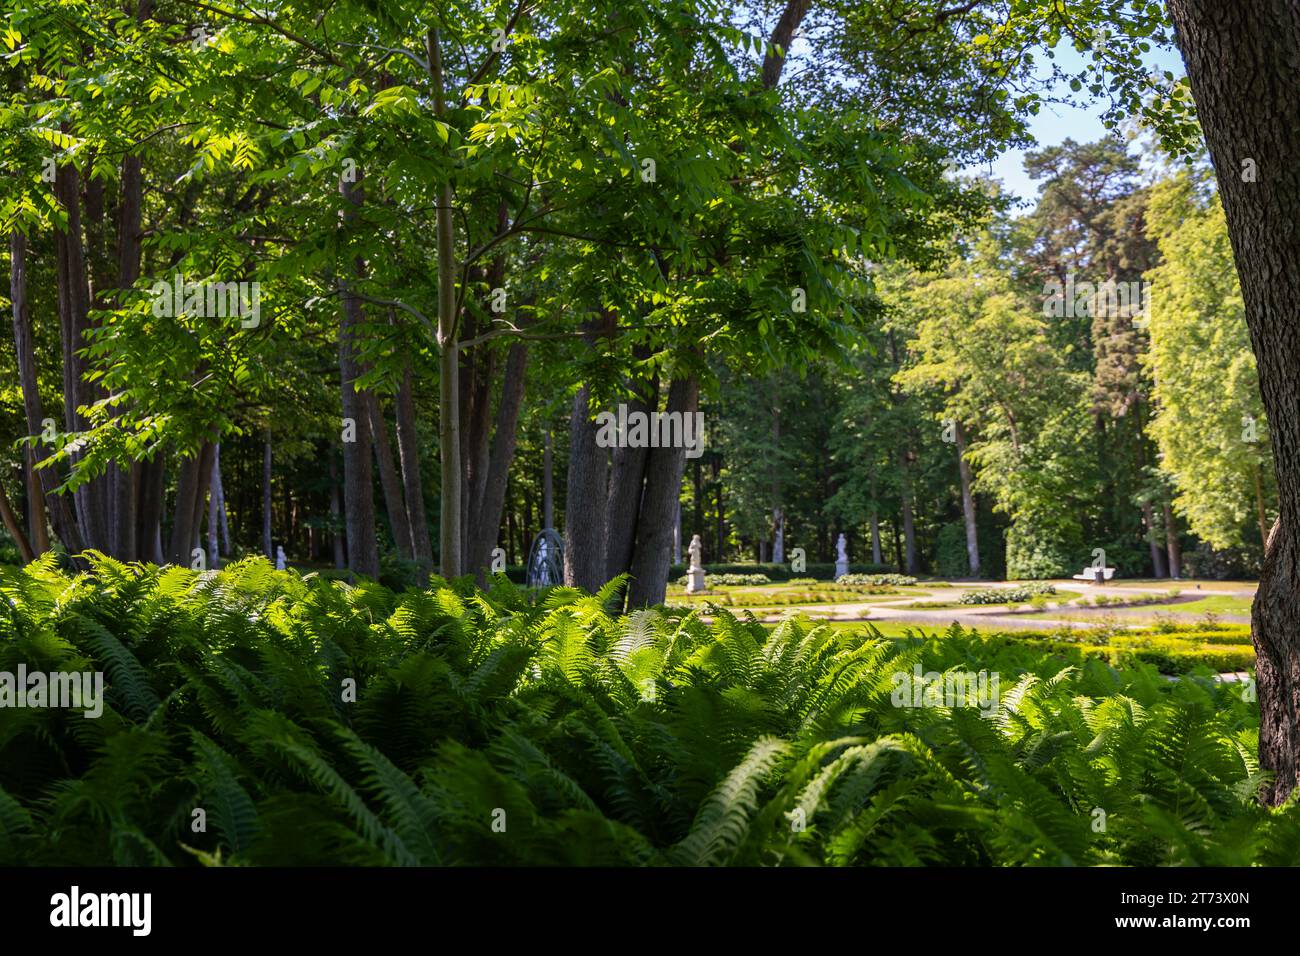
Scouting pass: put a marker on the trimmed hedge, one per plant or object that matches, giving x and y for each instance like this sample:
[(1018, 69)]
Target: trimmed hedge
[(1015, 595), (783, 572)]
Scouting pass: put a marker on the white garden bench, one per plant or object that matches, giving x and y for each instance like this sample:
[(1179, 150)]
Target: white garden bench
[(1095, 575)]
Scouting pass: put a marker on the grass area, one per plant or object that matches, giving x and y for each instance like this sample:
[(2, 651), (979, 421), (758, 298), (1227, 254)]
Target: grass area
[(1170, 648), (1215, 604)]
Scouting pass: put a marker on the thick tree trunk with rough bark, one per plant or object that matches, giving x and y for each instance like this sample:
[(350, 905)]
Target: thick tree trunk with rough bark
[(663, 483), (150, 509), (587, 500), (187, 515), (1243, 62), (626, 483)]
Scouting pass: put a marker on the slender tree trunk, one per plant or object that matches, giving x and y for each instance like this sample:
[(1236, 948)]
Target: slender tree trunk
[(909, 524), (778, 515), (267, 498), (214, 508), (358, 476), (967, 503), (125, 476), (505, 436), (1171, 543), (35, 504), (394, 501), (58, 505), (450, 543), (677, 534), (408, 449), (548, 483), (1261, 515), (15, 528), (722, 511), (1243, 63), (876, 557), (74, 304), (336, 536), (1157, 549), (650, 561)]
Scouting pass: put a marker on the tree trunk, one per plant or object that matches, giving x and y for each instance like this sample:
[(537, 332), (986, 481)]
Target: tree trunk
[(587, 501), (626, 485), (214, 509), (394, 501), (340, 559), (1171, 543), (191, 486), (876, 557), (450, 535), (14, 527), (74, 304), (1157, 550), (722, 511), (150, 508), (909, 524), (58, 505), (967, 503), (267, 499), (1260, 514), (35, 504), (505, 436), (408, 450), (778, 515), (358, 477), (125, 476), (782, 34), (548, 482), (663, 484), (1241, 60)]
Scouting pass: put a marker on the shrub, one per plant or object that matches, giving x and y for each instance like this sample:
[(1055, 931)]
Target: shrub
[(1014, 595), (728, 580), (950, 558), (1041, 552), (876, 580)]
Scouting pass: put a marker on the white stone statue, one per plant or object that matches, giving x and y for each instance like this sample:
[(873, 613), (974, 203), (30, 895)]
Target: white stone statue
[(279, 557), (841, 557), (695, 573)]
